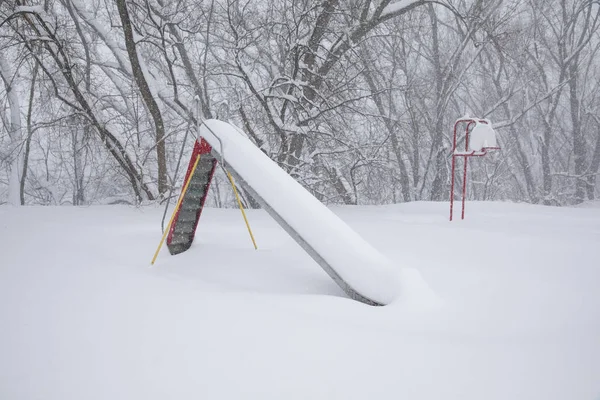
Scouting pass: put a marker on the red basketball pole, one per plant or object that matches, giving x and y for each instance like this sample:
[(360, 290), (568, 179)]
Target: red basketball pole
[(465, 155)]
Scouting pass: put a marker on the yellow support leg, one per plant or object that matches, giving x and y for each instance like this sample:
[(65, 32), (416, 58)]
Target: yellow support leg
[(237, 197), (185, 187)]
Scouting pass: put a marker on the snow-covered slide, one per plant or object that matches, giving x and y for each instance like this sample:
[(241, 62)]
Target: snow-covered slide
[(358, 268)]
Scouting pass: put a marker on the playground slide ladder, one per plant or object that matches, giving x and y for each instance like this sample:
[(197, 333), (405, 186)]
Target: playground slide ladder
[(183, 227)]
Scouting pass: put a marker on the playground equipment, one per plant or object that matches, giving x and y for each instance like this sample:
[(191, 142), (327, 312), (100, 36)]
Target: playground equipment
[(182, 225), (359, 269), (197, 182), (478, 141)]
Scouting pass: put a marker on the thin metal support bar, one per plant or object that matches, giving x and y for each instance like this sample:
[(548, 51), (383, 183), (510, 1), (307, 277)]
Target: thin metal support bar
[(237, 197), (222, 150)]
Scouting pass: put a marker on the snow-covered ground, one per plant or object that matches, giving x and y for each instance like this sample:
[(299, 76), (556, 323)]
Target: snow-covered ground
[(83, 316)]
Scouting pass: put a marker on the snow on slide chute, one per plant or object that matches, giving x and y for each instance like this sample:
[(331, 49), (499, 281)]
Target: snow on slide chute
[(358, 268)]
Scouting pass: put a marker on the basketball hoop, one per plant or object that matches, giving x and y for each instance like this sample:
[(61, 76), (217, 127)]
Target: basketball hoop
[(478, 141)]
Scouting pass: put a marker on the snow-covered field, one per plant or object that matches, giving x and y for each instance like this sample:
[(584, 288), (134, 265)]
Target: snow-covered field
[(83, 316)]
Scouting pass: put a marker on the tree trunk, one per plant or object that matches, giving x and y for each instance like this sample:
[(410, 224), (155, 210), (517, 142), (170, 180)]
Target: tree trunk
[(546, 170), (579, 152), (34, 75), (14, 133), (593, 169), (142, 83), (437, 151)]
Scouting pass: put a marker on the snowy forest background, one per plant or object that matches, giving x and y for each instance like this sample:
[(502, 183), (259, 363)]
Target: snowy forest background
[(355, 98)]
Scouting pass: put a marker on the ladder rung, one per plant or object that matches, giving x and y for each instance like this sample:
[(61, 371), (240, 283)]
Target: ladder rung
[(186, 215), (184, 226), (179, 239)]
